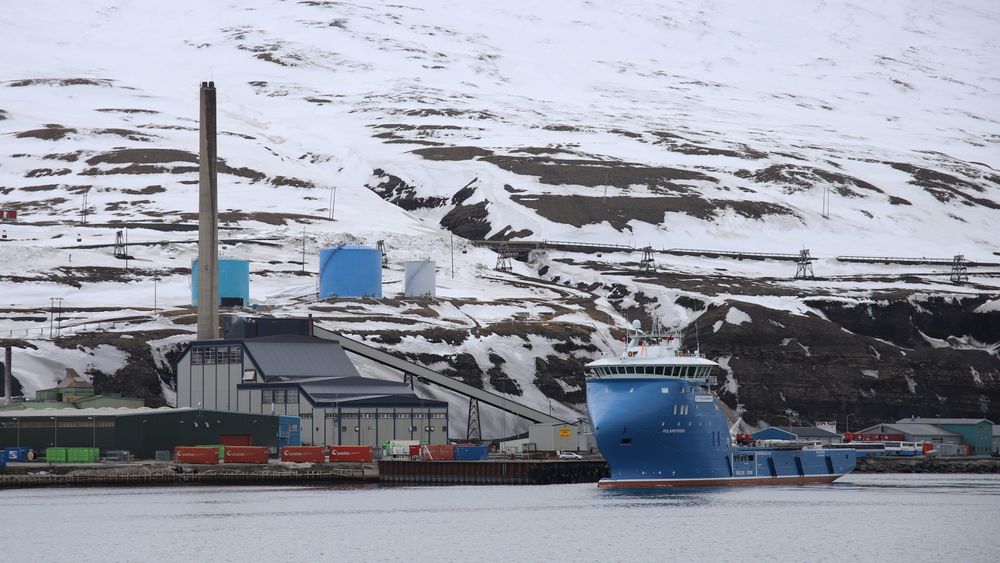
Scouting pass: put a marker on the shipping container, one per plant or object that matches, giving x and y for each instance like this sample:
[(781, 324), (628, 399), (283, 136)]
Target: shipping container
[(351, 453), (245, 454), (439, 452), (414, 450), (196, 454), (19, 454), (3, 461), (55, 455), (234, 439), (218, 447), (304, 454), (472, 453), (83, 455)]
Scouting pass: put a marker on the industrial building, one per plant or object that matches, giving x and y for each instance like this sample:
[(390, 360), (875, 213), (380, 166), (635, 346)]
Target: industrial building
[(803, 433), (142, 432), (919, 432), (948, 434), (311, 378), (73, 392)]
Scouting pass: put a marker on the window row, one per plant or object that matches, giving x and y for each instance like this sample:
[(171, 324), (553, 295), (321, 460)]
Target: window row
[(666, 371), (279, 396), (207, 355), (412, 428)]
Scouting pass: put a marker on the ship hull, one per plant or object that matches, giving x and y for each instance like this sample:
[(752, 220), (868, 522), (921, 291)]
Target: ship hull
[(724, 482), (672, 433)]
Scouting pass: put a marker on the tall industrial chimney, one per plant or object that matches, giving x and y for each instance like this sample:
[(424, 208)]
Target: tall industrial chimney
[(208, 220), (7, 376)]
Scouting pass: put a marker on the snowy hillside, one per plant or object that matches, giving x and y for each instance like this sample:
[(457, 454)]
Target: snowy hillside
[(685, 124)]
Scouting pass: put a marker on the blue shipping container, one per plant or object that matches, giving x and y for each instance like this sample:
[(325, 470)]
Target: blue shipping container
[(3, 461), (350, 271), (289, 431), (16, 454), (471, 453), (234, 281)]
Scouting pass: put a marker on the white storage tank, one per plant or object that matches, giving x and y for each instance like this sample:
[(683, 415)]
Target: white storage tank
[(420, 279)]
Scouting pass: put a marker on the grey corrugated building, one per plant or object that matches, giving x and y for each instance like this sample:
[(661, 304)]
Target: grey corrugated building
[(313, 379), (916, 432)]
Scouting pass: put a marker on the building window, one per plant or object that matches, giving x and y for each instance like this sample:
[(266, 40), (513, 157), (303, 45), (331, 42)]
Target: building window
[(343, 429), (385, 415), (444, 429), (249, 374), (267, 396), (413, 428), (438, 415), (367, 415), (306, 415)]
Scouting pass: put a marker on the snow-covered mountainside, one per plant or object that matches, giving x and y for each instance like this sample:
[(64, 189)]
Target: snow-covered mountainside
[(681, 124)]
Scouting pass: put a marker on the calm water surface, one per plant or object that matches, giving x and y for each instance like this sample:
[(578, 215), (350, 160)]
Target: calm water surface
[(859, 518)]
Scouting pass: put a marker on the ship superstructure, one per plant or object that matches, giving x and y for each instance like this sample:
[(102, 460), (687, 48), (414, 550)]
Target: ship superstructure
[(658, 424)]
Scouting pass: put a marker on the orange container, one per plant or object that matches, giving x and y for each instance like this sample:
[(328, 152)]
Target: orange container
[(304, 454), (350, 453), (191, 454), (439, 452), (245, 454)]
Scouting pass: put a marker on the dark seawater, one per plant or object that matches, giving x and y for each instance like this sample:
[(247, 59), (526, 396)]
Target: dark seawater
[(859, 518)]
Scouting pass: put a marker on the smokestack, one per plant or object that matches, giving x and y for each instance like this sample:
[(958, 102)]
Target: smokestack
[(7, 376), (208, 220)]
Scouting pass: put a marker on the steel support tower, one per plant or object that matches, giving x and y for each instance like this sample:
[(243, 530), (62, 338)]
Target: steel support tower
[(805, 267)]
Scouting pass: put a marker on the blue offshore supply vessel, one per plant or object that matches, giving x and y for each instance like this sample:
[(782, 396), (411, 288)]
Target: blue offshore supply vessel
[(658, 424)]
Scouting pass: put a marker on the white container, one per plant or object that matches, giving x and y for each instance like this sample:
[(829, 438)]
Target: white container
[(420, 279)]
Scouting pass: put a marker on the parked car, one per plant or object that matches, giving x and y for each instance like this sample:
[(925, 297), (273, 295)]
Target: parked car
[(569, 455)]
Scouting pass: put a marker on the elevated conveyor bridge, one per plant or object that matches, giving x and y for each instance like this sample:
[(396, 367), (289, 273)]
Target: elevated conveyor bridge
[(501, 402)]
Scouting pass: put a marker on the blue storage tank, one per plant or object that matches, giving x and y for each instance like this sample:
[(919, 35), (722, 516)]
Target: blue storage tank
[(234, 282), (472, 453), (350, 271)]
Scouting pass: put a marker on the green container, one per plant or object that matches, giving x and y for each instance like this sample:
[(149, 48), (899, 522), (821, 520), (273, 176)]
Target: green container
[(222, 450), (55, 455), (83, 455)]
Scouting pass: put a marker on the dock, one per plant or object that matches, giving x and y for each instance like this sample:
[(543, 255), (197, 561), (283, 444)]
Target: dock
[(510, 472), (522, 472)]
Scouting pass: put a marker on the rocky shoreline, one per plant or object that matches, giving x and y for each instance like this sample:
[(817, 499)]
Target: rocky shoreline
[(928, 465)]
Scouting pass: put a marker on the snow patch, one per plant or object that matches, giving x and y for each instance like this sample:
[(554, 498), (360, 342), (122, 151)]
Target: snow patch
[(736, 317), (872, 373), (730, 385)]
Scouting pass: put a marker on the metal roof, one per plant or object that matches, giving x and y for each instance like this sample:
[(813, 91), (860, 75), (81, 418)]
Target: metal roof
[(94, 411), (943, 420), (808, 431), (354, 390), (912, 428), (293, 356)]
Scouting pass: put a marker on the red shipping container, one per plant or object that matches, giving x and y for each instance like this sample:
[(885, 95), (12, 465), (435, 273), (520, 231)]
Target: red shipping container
[(350, 453), (191, 454), (234, 439), (245, 454), (439, 452), (304, 454), (414, 450)]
